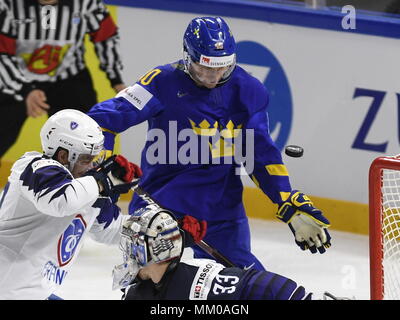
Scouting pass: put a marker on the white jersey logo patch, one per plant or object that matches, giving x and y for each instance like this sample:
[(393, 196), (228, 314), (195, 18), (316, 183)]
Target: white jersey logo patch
[(136, 95), (70, 239), (202, 282)]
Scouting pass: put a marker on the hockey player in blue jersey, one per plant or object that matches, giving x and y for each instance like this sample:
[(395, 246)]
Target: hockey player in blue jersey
[(152, 244), (202, 112)]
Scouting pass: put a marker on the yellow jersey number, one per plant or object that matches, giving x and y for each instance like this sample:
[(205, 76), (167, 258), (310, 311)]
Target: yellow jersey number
[(149, 76)]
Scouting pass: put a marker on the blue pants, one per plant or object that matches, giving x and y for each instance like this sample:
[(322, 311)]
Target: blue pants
[(232, 239)]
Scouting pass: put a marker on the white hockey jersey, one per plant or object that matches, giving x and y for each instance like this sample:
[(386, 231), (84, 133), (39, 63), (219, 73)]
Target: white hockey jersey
[(45, 214)]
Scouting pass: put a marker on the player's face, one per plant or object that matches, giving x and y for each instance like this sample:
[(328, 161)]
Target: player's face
[(206, 76), (82, 165)]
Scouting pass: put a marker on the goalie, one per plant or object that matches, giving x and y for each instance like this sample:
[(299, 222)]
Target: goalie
[(152, 244)]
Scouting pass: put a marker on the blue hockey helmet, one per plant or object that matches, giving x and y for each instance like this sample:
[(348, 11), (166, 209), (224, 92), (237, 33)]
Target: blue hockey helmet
[(209, 42)]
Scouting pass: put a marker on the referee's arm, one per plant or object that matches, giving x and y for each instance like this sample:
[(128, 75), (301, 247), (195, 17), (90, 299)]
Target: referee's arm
[(12, 79), (104, 34)]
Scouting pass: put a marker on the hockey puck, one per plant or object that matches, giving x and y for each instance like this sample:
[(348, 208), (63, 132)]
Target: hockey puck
[(294, 151)]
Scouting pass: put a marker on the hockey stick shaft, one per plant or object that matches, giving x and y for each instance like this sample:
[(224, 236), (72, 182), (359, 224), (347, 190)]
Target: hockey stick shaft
[(215, 253), (202, 244)]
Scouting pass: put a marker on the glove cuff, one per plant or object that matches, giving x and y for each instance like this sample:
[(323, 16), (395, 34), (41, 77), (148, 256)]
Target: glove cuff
[(286, 211), (299, 203)]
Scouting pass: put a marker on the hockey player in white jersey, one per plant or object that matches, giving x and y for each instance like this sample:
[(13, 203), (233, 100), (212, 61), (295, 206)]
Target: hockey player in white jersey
[(52, 201)]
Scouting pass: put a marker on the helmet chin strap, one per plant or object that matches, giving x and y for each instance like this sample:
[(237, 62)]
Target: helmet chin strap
[(186, 62), (69, 164), (72, 158)]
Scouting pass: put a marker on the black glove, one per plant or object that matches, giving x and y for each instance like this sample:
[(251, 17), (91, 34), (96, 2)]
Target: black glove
[(115, 176)]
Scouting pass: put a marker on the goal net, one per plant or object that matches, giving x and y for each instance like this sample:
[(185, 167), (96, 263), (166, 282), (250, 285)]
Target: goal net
[(384, 206)]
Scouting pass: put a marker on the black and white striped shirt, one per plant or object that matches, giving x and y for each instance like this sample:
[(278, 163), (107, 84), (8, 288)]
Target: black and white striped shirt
[(46, 43)]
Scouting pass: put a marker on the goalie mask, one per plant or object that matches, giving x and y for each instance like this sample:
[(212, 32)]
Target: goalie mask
[(209, 51), (151, 236), (73, 131)]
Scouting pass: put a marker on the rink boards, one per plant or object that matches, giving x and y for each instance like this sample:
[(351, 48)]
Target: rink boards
[(333, 91)]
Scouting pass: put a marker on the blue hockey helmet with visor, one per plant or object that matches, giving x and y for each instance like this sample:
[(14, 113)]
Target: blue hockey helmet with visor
[(209, 51)]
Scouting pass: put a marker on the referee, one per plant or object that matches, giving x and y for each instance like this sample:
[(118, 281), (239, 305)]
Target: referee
[(42, 67)]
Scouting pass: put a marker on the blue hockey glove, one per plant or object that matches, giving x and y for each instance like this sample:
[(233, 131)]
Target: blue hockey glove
[(108, 213), (306, 222)]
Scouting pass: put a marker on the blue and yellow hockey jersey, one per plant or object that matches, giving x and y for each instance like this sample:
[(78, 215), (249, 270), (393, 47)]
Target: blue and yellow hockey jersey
[(182, 119)]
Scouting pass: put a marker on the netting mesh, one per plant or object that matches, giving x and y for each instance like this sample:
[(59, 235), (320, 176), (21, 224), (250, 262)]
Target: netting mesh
[(391, 233)]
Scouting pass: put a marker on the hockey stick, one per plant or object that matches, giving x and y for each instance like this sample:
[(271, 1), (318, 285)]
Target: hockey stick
[(215, 254), (202, 244)]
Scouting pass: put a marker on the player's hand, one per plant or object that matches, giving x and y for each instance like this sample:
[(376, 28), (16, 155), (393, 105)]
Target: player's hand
[(115, 176), (194, 229), (36, 105), (307, 223), (109, 212)]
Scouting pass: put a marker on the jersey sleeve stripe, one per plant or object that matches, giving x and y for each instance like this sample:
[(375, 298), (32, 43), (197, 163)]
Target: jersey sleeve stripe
[(7, 44), (107, 30)]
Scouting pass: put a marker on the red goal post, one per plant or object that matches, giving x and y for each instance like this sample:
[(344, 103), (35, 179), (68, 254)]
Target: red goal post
[(384, 228)]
